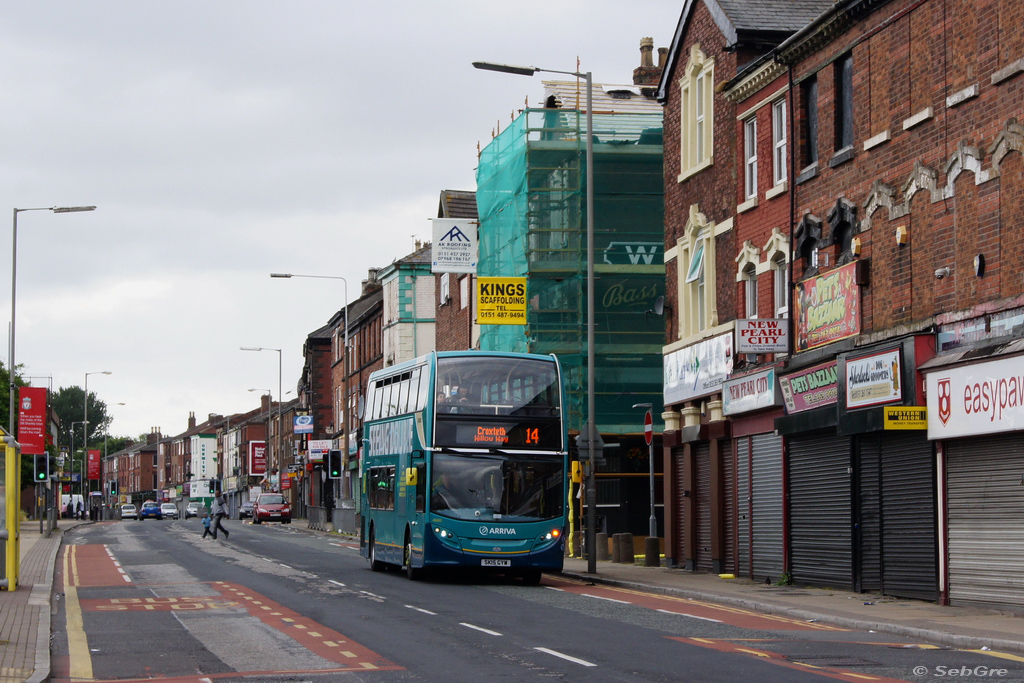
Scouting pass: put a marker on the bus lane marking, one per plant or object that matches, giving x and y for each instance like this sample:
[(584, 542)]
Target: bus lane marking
[(733, 616)]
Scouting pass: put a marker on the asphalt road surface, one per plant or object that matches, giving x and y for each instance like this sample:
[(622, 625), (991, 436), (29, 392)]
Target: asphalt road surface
[(153, 600)]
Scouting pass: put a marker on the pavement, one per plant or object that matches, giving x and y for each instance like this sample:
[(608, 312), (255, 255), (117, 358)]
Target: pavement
[(25, 612)]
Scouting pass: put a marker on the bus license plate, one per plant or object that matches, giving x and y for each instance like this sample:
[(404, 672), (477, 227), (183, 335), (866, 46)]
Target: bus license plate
[(495, 563)]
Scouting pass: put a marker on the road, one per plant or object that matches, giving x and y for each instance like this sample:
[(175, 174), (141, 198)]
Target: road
[(152, 599)]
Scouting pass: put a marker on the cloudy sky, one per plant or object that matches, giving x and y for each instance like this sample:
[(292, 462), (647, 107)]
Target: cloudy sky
[(225, 140)]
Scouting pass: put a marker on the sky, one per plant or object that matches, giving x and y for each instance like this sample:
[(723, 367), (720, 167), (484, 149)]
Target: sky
[(222, 140)]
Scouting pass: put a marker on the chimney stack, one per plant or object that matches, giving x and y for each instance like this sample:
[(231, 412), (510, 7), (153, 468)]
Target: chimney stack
[(191, 420), (647, 74)]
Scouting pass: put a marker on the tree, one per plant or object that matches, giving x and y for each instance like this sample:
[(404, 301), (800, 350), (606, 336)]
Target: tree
[(69, 404)]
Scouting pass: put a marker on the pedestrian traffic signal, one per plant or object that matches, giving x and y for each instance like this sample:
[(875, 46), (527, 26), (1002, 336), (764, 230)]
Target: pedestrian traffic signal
[(42, 467), (334, 464)]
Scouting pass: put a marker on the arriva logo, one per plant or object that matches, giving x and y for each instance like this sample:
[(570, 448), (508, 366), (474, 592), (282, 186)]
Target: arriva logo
[(497, 531)]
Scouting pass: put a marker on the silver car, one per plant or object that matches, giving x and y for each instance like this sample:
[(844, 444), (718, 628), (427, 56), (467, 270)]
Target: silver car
[(169, 510), (129, 511)]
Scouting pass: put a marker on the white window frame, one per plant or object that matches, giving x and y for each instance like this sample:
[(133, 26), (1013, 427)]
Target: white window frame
[(445, 295), (750, 291), (776, 253), (750, 158), (696, 276), (696, 114), (464, 292), (779, 141)]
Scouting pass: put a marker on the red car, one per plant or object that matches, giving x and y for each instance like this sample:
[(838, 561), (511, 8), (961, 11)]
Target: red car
[(271, 507)]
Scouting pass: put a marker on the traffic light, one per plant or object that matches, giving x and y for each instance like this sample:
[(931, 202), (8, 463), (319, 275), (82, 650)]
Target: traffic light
[(42, 468), (113, 487), (334, 464)]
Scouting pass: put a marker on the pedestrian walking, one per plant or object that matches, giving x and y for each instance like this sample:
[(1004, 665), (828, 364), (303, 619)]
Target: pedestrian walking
[(206, 525), (220, 511)]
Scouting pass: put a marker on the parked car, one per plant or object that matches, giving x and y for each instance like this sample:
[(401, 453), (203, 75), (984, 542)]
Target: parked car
[(245, 509), (129, 511), (271, 507), (150, 509), (193, 510), (169, 510)]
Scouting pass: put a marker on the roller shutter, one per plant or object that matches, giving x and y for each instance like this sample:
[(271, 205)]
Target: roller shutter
[(678, 549), (729, 505), (702, 509), (867, 513), (819, 509), (909, 519), (986, 520), (743, 500), (766, 507)]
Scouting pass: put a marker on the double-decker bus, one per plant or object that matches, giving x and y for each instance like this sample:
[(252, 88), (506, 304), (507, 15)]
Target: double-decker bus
[(464, 464)]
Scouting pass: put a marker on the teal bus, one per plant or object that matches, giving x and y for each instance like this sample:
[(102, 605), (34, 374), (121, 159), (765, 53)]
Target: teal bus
[(464, 464)]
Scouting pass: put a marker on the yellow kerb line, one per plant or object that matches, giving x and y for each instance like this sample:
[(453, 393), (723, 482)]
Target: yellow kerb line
[(80, 659)]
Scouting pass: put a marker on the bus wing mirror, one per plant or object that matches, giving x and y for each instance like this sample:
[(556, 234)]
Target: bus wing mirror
[(412, 477)]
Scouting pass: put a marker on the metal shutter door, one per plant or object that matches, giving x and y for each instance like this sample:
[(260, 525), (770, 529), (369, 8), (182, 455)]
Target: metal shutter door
[(767, 507), (678, 510), (743, 500), (909, 540), (702, 510), (986, 520), (819, 504), (729, 503), (867, 532)]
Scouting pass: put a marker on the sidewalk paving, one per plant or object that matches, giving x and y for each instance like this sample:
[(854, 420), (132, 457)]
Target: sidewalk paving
[(25, 612), (966, 628)]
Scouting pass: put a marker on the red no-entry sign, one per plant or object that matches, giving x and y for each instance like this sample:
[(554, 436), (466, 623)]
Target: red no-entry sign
[(648, 428)]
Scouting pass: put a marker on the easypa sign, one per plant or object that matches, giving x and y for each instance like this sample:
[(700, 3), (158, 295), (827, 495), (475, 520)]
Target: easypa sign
[(762, 335), (984, 398)]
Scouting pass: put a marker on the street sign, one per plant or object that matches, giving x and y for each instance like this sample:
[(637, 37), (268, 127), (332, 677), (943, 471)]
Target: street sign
[(648, 428)]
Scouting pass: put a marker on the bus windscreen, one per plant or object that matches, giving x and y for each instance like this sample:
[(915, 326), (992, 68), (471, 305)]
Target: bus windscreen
[(496, 487)]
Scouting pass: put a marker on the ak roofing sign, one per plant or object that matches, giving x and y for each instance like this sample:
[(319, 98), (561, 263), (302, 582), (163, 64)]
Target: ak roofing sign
[(454, 249)]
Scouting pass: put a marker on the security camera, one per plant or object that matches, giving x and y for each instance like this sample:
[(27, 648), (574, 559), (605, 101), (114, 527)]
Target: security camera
[(941, 273)]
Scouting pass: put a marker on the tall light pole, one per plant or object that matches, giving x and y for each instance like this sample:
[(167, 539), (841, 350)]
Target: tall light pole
[(591, 424), (277, 455), (344, 404), (653, 531), (14, 297), (72, 463), (85, 416)]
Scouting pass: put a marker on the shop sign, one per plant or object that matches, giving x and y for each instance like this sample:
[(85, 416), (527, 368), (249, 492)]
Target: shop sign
[(812, 388), (762, 335), (827, 308), (872, 380), (302, 424), (906, 417), (257, 458), (749, 392), (698, 370), (984, 398)]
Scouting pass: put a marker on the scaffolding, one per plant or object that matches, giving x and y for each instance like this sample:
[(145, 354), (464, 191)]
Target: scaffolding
[(532, 207)]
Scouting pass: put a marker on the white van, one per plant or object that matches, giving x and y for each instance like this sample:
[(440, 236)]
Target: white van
[(75, 499)]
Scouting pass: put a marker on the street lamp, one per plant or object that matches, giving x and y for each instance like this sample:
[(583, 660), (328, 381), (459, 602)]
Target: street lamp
[(14, 297), (85, 416), (591, 424), (344, 282), (72, 445), (279, 395)]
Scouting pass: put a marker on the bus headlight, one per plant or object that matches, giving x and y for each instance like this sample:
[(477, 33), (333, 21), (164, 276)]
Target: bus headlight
[(550, 536), (446, 536)]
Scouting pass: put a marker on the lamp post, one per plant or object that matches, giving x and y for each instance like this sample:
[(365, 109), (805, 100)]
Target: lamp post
[(344, 404), (85, 417), (72, 464), (14, 297), (279, 395), (591, 424)]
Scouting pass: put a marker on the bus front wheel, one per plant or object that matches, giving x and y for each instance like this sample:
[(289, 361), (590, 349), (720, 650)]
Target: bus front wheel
[(531, 577), (375, 564), (410, 571)]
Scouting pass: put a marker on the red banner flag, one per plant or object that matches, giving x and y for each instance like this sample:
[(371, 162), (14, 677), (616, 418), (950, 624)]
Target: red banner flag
[(93, 465), (32, 420)]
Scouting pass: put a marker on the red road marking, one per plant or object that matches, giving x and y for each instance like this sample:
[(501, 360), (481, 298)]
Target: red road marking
[(92, 565), (733, 616)]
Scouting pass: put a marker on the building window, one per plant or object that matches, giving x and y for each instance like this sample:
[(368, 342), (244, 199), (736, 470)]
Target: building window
[(696, 111), (810, 121), (464, 292), (844, 102), (750, 291), (780, 286), (750, 158), (696, 263), (445, 289), (779, 141)]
